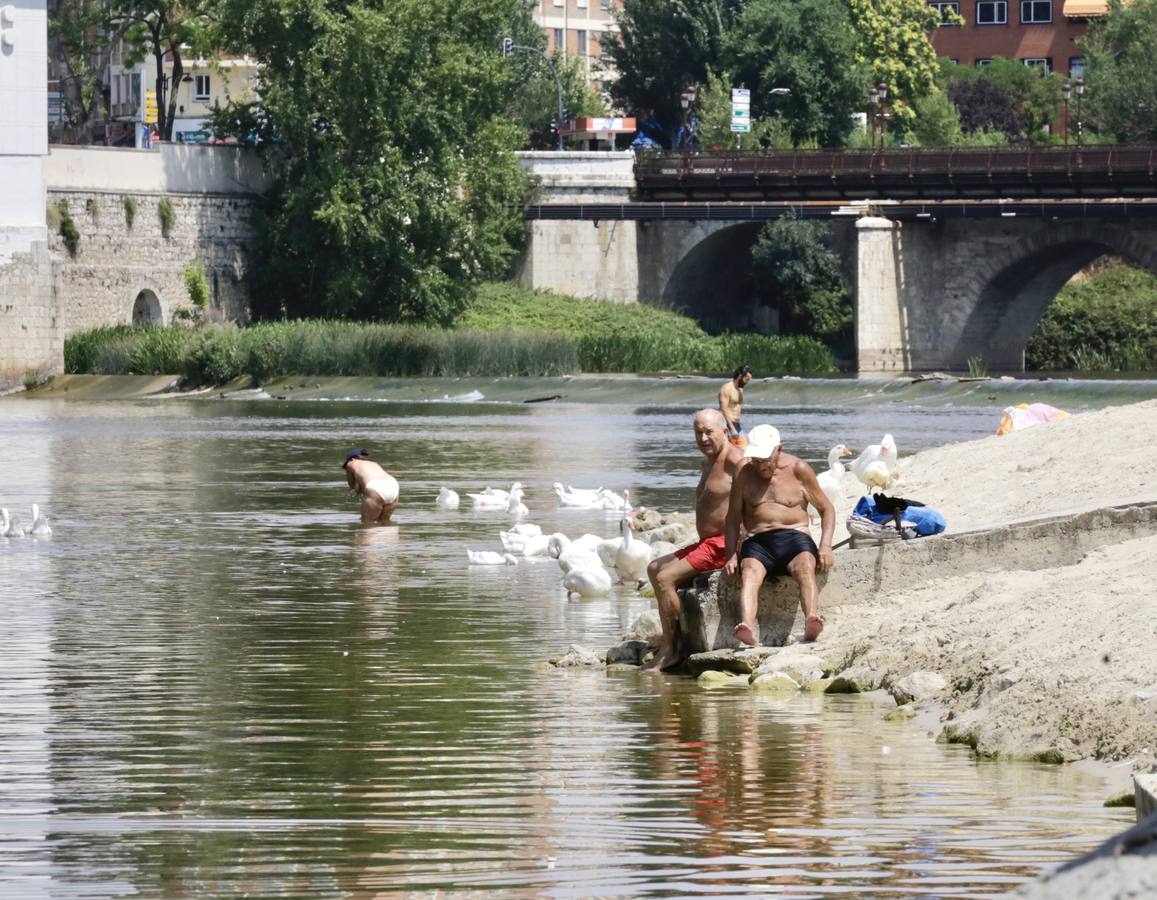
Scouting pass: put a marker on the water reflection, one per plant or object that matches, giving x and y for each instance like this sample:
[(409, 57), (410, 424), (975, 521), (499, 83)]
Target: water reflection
[(217, 682)]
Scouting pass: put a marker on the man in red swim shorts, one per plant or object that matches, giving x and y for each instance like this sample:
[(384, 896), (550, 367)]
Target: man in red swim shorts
[(721, 461)]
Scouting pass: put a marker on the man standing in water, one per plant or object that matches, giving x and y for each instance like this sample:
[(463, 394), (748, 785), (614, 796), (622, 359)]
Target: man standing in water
[(769, 498), (731, 400), (378, 488), (721, 460)]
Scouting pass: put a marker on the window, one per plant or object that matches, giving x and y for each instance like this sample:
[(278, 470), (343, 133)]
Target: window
[(1044, 63), (201, 87), (945, 8), (581, 4), (992, 12), (582, 42), (1036, 12), (559, 41), (981, 63), (1076, 67), (607, 4)]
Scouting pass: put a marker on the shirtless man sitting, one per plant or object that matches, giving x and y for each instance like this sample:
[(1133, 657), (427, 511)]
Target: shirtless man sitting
[(721, 460), (731, 400), (769, 498), (378, 488)]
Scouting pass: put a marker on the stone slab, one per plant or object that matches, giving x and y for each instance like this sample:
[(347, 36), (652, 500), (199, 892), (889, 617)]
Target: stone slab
[(1145, 787)]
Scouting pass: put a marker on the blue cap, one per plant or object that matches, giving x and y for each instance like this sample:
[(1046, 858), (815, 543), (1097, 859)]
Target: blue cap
[(356, 453)]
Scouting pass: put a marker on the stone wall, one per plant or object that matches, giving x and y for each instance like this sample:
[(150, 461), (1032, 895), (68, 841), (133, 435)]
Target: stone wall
[(30, 334), (115, 263)]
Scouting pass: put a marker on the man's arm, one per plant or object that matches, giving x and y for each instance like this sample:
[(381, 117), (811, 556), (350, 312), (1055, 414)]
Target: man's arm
[(732, 526), (349, 478), (817, 498), (725, 405)]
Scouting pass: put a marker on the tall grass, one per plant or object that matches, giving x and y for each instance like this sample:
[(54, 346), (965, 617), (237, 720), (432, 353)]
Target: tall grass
[(509, 332)]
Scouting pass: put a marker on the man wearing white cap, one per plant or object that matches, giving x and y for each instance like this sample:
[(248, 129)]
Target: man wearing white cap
[(769, 498)]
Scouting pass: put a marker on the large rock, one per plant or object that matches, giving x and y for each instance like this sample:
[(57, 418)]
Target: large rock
[(710, 612), (646, 627), (630, 652), (576, 656), (741, 662), (794, 661), (918, 686)]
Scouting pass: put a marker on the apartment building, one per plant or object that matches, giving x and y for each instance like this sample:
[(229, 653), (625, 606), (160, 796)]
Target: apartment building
[(583, 28), (1037, 32), (203, 84)]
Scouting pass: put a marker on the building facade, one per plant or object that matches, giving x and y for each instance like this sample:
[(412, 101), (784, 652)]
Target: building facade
[(1037, 32), (582, 28)]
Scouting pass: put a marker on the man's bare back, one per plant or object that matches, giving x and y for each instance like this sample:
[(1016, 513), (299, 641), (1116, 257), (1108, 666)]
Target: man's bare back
[(377, 487)]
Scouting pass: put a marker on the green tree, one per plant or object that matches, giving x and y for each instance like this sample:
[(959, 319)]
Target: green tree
[(714, 110), (1121, 92), (1035, 97), (536, 100), (936, 122), (894, 48), (808, 47), (796, 271), (81, 36), (164, 29), (665, 46), (385, 124)]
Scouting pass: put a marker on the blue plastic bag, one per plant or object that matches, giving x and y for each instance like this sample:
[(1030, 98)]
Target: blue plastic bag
[(925, 520)]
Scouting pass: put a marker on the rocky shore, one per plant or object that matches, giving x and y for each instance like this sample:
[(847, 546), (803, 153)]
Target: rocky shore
[(1028, 630)]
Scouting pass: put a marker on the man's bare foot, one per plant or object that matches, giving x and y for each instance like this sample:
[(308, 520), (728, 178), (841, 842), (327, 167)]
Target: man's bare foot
[(661, 661), (745, 634), (813, 627)]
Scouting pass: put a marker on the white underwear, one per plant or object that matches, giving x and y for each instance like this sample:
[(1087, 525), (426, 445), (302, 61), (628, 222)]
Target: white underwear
[(386, 488)]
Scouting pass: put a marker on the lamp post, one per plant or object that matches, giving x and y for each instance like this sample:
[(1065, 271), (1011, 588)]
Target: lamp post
[(882, 93), (508, 47), (1066, 90), (687, 101), (1080, 86), (873, 101)]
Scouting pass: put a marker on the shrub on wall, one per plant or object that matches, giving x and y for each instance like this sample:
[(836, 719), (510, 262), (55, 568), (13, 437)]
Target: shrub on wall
[(68, 229), (167, 214), (130, 212), (197, 285)]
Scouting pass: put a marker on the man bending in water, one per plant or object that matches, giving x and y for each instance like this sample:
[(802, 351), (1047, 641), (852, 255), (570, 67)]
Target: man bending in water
[(721, 460), (378, 488), (769, 498)]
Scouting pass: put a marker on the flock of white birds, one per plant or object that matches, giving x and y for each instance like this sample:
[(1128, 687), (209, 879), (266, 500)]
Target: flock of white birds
[(12, 527), (591, 565)]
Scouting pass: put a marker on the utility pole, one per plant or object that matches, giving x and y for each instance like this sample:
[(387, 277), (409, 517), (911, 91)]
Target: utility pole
[(508, 47)]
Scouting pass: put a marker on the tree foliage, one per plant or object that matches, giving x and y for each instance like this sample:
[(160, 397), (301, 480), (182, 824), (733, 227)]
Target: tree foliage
[(385, 123), (714, 132), (81, 36), (665, 46), (1121, 94), (985, 107), (894, 49), (809, 47), (797, 271), (1006, 96), (535, 103)]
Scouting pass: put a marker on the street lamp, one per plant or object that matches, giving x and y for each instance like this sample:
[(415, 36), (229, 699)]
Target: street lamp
[(687, 101), (508, 47), (882, 92), (877, 94), (1080, 86), (1066, 90)]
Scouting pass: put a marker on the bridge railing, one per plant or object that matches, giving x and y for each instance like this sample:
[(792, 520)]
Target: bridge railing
[(962, 162)]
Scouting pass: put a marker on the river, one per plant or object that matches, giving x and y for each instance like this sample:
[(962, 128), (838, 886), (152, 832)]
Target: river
[(215, 682)]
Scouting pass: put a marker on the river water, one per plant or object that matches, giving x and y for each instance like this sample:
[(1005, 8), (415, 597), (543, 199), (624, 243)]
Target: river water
[(215, 682)]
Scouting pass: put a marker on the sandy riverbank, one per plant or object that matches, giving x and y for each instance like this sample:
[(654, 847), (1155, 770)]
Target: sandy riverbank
[(1058, 664)]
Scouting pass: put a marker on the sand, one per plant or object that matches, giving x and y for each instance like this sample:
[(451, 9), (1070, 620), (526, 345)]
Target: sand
[(1055, 665)]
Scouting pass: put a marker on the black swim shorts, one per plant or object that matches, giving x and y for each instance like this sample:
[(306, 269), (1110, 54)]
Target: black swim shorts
[(776, 548)]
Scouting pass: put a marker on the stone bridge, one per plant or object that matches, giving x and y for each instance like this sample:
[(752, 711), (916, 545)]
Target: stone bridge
[(933, 284)]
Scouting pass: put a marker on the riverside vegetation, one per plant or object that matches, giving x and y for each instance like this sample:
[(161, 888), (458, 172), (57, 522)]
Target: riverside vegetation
[(507, 330)]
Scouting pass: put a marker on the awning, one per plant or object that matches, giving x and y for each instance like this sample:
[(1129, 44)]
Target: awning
[(1085, 9)]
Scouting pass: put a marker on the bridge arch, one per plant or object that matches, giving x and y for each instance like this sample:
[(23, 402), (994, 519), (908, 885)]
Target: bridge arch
[(147, 309), (711, 280), (1018, 282)]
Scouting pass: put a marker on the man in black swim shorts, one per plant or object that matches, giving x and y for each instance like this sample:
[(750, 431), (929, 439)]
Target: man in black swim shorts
[(770, 497)]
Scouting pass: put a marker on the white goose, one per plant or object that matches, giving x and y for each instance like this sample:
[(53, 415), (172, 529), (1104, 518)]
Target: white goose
[(514, 506), (574, 554), (612, 501), (490, 558), (493, 498), (12, 527), (878, 466), (447, 499), (587, 581), (527, 528), (633, 557), (832, 481), (580, 498), (39, 526)]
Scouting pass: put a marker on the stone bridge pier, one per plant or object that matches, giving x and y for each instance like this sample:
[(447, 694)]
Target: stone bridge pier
[(931, 294)]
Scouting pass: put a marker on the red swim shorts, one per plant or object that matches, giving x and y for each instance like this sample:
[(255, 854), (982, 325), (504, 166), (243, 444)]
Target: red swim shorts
[(706, 555)]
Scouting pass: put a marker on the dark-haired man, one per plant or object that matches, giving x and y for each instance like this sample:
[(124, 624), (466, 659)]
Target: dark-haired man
[(378, 488), (731, 400)]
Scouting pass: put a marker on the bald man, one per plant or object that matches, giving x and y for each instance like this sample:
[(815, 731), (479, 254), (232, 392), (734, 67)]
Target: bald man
[(721, 462)]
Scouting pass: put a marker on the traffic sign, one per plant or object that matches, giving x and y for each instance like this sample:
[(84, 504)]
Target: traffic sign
[(740, 109), (150, 116)]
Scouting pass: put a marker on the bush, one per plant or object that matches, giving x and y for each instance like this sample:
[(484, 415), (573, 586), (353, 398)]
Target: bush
[(81, 349), (197, 285), (130, 212), (167, 215), (1104, 322), (68, 229)]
